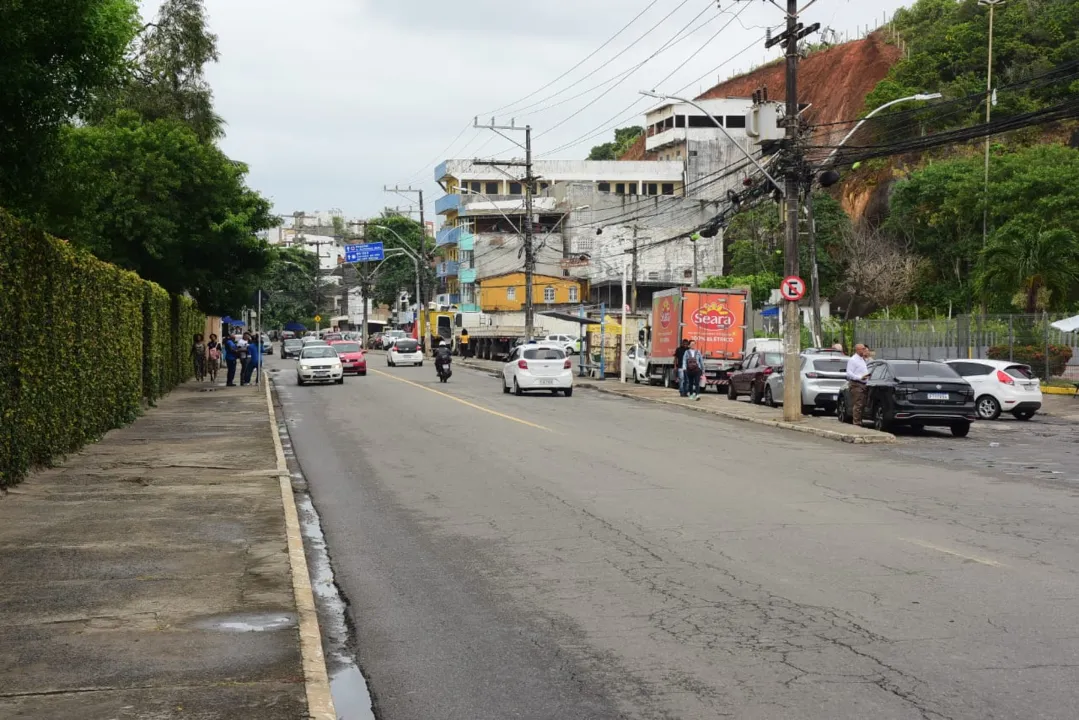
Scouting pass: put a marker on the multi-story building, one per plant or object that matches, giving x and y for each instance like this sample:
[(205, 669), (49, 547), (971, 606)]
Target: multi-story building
[(506, 292)]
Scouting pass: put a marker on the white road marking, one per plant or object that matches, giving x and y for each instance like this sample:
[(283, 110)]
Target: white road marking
[(946, 551)]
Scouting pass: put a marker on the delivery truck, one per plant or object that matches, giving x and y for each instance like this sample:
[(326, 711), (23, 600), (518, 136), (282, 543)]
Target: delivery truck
[(715, 319)]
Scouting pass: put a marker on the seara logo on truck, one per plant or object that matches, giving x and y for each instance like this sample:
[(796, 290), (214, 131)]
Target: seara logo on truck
[(666, 313), (715, 316)]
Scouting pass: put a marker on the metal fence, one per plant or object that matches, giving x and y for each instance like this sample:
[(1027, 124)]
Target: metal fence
[(1010, 337)]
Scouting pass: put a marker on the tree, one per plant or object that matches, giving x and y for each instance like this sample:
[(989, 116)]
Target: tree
[(154, 198), (623, 141), (291, 282), (54, 57), (167, 73), (879, 269), (1039, 267), (399, 273), (760, 285)]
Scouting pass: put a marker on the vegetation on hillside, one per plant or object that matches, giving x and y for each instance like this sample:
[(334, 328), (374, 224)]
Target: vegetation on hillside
[(623, 141)]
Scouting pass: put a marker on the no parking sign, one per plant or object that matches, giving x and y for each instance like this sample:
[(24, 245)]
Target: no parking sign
[(793, 288)]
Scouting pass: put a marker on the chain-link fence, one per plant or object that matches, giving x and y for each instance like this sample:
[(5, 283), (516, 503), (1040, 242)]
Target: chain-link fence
[(1028, 339)]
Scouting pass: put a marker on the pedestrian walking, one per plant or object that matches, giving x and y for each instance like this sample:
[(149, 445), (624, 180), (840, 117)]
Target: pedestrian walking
[(254, 352), (679, 356), (232, 356), (213, 357), (857, 375), (198, 357), (693, 369)]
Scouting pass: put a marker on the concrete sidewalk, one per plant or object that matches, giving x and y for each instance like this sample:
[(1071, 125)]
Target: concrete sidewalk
[(714, 404), (149, 576)]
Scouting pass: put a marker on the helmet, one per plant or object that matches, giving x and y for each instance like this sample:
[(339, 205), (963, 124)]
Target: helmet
[(442, 344)]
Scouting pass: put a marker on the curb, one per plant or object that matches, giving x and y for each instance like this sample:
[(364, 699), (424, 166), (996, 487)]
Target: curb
[(877, 438), (1059, 391), (316, 679)]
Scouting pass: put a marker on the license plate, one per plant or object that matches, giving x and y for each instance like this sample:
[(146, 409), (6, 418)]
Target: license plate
[(546, 381), (1031, 386), (938, 396)]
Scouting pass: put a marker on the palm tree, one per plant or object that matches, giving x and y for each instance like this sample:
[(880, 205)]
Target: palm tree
[(1039, 266)]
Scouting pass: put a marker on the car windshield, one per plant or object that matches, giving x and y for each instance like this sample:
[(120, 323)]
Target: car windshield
[(924, 370), (347, 347), (544, 354), (405, 346), (1020, 371), (292, 342), (772, 359), (319, 351), (830, 366)]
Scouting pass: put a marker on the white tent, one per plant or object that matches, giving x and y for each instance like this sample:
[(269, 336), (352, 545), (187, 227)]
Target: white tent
[(1068, 324)]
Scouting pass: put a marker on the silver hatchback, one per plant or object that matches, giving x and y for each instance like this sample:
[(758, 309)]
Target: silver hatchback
[(823, 376)]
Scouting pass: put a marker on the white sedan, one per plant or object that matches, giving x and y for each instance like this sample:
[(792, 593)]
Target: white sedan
[(319, 363), (636, 363), (1001, 386), (538, 367), (404, 351)]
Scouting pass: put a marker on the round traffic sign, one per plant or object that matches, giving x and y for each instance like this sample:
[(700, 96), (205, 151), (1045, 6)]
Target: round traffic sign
[(793, 288)]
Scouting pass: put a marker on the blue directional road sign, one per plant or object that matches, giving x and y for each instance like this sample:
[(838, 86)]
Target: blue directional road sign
[(368, 252)]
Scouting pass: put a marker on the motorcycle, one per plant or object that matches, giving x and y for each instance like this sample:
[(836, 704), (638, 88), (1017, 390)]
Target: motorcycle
[(444, 371)]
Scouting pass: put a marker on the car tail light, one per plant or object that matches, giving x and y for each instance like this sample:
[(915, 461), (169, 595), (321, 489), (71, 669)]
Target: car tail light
[(568, 365), (522, 364), (768, 371), (1005, 378), (813, 375)]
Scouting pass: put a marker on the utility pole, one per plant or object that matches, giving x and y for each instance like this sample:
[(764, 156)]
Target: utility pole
[(635, 251), (988, 115), (318, 281), (421, 314), (694, 241), (529, 181), (814, 280)]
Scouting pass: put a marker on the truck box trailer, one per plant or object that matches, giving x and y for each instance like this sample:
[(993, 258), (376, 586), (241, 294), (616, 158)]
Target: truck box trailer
[(714, 319)]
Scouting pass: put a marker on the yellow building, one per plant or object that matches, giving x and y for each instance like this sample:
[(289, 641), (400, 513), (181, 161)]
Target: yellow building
[(506, 293)]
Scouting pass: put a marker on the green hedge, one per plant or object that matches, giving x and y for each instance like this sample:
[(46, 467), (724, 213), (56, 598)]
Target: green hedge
[(74, 334), (1034, 355)]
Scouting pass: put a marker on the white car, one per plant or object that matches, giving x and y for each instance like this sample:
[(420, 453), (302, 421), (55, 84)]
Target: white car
[(404, 351), (319, 363), (1001, 386), (538, 367), (570, 343), (390, 336), (636, 363), (311, 340)]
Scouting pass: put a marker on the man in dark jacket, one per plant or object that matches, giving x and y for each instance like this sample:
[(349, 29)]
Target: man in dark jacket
[(679, 354), (232, 354), (443, 355)]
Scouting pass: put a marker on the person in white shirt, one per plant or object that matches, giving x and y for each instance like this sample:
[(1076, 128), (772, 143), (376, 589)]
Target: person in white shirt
[(857, 374)]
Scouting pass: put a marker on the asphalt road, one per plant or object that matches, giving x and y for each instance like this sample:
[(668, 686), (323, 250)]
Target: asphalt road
[(596, 557)]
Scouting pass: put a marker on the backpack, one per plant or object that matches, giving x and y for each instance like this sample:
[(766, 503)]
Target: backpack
[(692, 366)]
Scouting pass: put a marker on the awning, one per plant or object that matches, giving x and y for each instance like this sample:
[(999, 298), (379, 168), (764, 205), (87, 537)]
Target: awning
[(569, 317), (1068, 324), (770, 312)]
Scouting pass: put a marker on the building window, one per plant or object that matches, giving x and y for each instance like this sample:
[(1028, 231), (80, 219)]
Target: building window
[(573, 292), (492, 188), (736, 121), (475, 187), (631, 188), (702, 121), (544, 186), (687, 274), (668, 188), (515, 188), (604, 187), (651, 189), (511, 293), (620, 188), (548, 294), (680, 121)]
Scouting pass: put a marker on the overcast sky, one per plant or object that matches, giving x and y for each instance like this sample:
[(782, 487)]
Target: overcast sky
[(329, 100)]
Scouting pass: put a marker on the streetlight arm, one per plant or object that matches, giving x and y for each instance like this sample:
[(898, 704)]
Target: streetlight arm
[(723, 129), (920, 97)]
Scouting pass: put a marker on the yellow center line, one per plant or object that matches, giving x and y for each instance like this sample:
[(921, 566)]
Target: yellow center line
[(953, 553), (463, 402)]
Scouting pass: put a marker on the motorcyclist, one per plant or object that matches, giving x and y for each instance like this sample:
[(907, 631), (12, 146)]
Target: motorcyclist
[(442, 356)]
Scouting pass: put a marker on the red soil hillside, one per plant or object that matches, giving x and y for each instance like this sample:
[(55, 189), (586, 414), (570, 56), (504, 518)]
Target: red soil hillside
[(835, 82)]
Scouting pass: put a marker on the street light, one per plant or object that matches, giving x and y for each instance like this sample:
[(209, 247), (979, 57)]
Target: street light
[(674, 98), (416, 262), (921, 97), (992, 4)]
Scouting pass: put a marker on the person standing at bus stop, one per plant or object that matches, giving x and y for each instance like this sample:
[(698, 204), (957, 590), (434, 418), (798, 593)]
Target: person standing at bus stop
[(679, 355)]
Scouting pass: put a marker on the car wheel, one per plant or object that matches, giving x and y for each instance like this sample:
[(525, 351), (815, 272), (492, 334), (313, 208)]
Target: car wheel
[(505, 387), (341, 381), (732, 394), (419, 364), (517, 388), (841, 410), (299, 380), (636, 377), (918, 428), (961, 430), (769, 400), (754, 394), (988, 407), (1024, 414), (881, 421), (569, 392), (362, 374), (807, 410)]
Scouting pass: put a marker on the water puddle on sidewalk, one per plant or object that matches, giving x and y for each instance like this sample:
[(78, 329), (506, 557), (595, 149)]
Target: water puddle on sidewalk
[(351, 697)]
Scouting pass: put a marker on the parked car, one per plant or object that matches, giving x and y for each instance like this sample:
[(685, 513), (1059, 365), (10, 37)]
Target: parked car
[(914, 393), (538, 367), (287, 334), (1001, 386), (404, 351), (319, 363), (332, 336), (310, 340), (570, 343), (267, 344), (390, 335), (750, 377), (290, 348), (352, 357), (636, 362), (823, 376)]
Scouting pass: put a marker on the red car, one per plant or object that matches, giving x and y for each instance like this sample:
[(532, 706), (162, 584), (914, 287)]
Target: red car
[(750, 378), (352, 358)]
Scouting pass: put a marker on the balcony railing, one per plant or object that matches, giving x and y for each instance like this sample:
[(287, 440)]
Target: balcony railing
[(447, 203), (446, 269), (466, 275)]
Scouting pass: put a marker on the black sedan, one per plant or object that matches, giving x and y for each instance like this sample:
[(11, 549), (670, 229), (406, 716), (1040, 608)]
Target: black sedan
[(290, 348), (915, 394)]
